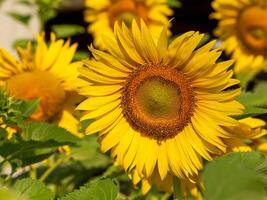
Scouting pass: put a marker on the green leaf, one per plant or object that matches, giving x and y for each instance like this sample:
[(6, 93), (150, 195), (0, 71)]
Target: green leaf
[(105, 189), (6, 194), (1, 1), (261, 88), (245, 78), (24, 19), (26, 153), (80, 55), (23, 43), (47, 9), (3, 133), (27, 107), (233, 176), (46, 15), (26, 2), (15, 111), (88, 154), (40, 131), (251, 111), (67, 30), (20, 43), (255, 101), (29, 189), (174, 3)]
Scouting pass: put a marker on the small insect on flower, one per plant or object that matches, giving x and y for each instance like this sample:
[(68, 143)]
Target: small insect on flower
[(159, 106), (243, 30), (47, 74), (102, 14)]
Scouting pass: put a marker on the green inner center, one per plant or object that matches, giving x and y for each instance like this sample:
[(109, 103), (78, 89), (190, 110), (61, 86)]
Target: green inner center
[(127, 17), (159, 98), (258, 33)]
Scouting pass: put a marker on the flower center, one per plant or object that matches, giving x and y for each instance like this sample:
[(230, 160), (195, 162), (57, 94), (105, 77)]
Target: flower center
[(126, 11), (38, 85), (253, 29), (158, 98), (158, 102)]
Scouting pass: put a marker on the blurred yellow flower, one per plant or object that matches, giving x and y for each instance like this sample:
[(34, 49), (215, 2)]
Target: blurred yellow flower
[(159, 106), (242, 28), (47, 74), (248, 129), (102, 14)]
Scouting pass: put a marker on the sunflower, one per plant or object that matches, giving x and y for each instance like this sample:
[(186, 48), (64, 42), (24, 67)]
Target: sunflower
[(102, 14), (159, 106), (47, 74), (188, 188), (243, 30), (250, 129)]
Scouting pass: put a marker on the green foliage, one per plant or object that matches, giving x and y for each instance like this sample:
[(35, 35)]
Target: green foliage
[(174, 3), (245, 78), (22, 18), (87, 153), (28, 189), (255, 101), (47, 9), (106, 189), (234, 177), (80, 55), (15, 111), (23, 43), (43, 132), (20, 154), (67, 30)]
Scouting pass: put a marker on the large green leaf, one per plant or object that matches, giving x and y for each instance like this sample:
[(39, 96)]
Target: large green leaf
[(28, 189), (6, 194), (234, 177), (40, 131), (22, 153), (105, 189)]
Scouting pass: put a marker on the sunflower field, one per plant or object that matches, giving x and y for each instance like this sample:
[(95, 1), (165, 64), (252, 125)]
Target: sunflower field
[(133, 99)]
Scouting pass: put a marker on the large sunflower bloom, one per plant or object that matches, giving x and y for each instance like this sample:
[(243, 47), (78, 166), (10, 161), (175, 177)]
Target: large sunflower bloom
[(47, 74), (157, 105), (248, 129), (102, 14), (243, 30)]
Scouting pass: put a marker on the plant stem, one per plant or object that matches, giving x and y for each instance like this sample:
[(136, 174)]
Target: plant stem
[(51, 169), (32, 172), (177, 190)]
